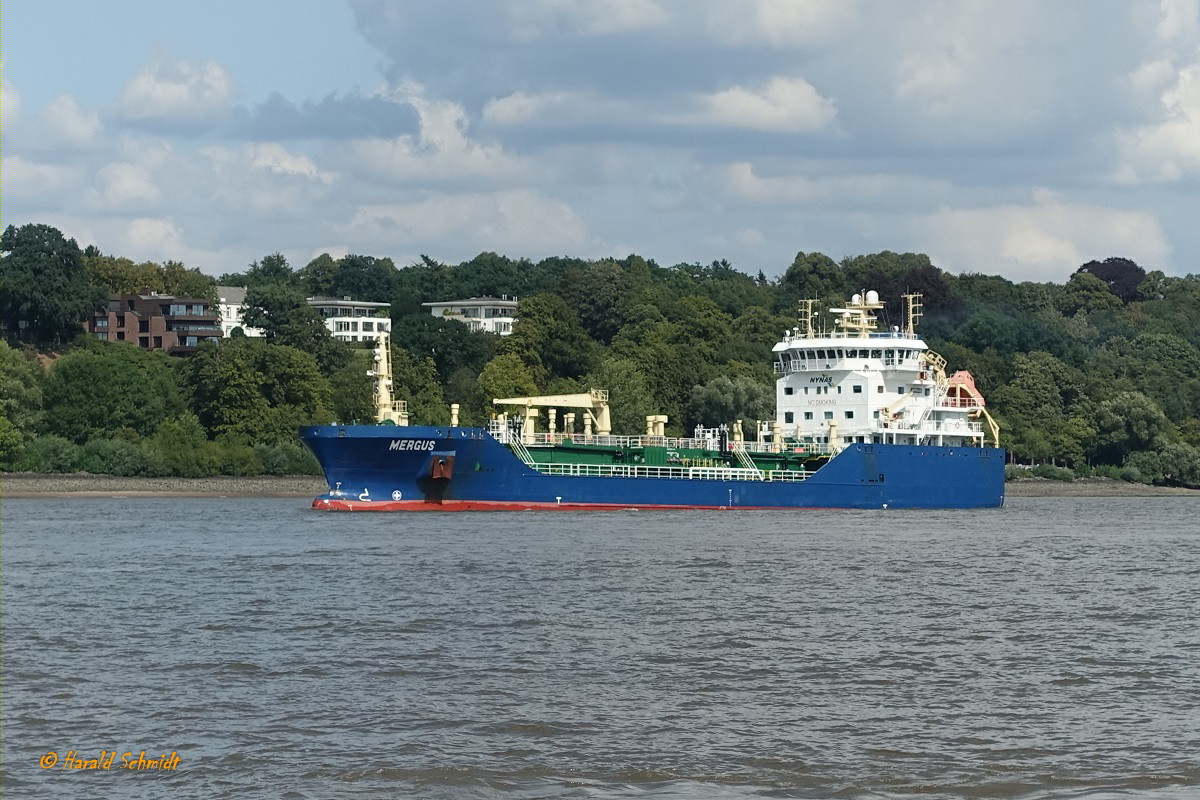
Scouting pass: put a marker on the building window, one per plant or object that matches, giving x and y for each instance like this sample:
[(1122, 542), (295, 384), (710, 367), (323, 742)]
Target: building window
[(144, 341), (879, 389), (143, 326), (788, 416), (102, 323), (788, 390), (806, 390), (839, 390), (857, 389), (101, 336), (120, 336), (828, 415), (849, 415), (368, 326), (157, 342), (808, 415)]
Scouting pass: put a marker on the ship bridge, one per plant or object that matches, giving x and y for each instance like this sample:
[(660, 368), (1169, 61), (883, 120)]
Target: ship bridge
[(859, 384)]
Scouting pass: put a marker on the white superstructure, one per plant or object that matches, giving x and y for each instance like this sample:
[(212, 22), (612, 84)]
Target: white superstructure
[(857, 384)]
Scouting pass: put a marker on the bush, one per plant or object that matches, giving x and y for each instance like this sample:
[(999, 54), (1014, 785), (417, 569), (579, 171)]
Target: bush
[(50, 454), (287, 458), (1053, 473), (113, 457), (179, 447), (238, 458), (12, 444)]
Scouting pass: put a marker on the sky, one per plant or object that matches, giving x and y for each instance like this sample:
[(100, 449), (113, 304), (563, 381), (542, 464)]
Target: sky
[(1015, 137)]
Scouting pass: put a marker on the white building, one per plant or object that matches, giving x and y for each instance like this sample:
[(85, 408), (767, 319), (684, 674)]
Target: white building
[(491, 314), (353, 320), (231, 306)]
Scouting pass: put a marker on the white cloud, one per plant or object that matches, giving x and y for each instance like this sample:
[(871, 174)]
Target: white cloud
[(274, 157), (1168, 149), (34, 180), (65, 123), (160, 237), (122, 185), (1044, 241), (1180, 20), (905, 191), (177, 93), (10, 102), (789, 105), (442, 149), (777, 23), (516, 221), (520, 107)]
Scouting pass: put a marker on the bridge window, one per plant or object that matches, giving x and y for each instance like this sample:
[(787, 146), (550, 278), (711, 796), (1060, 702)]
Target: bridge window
[(808, 415), (828, 415), (879, 389), (849, 415), (788, 390)]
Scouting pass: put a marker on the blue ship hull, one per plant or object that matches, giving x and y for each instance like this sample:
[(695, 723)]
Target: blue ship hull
[(414, 468)]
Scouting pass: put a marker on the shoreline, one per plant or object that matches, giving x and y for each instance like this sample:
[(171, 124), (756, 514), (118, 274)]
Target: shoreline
[(83, 485)]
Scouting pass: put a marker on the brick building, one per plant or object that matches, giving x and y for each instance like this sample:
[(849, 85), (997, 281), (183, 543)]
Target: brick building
[(156, 322)]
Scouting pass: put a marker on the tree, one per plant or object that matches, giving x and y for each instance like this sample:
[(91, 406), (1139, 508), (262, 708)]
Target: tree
[(629, 397), (549, 336), (1127, 423), (20, 390), (723, 400), (252, 391), (317, 277), (104, 388), (1086, 294), (505, 376), (366, 278), (416, 381), (287, 319), (1120, 274), (44, 293), (449, 343)]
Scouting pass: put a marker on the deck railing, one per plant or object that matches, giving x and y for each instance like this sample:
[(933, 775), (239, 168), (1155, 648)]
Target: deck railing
[(686, 473)]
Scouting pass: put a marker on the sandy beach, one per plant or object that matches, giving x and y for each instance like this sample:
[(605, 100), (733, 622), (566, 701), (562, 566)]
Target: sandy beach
[(87, 485), (26, 484)]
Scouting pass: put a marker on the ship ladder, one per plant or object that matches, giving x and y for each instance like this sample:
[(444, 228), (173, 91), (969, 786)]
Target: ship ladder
[(521, 451), (743, 457)]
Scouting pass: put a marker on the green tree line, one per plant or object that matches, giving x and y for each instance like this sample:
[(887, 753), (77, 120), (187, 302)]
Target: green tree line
[(1099, 374)]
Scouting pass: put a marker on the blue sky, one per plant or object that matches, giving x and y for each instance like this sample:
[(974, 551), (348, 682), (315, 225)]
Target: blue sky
[(1019, 138)]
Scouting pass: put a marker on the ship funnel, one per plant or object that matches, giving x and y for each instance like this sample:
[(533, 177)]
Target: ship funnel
[(872, 296)]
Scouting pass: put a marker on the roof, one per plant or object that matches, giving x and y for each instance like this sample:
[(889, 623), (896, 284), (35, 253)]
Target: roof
[(477, 301), (234, 295), (322, 300)]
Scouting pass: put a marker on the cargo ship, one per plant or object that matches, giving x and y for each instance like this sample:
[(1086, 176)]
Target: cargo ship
[(865, 418)]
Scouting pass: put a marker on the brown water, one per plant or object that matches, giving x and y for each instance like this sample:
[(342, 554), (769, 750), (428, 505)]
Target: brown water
[(1048, 649)]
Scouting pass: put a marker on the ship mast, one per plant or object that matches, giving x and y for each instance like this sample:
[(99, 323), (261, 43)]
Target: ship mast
[(387, 408), (913, 311)]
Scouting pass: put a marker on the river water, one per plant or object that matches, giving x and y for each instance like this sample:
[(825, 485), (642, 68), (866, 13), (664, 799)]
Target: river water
[(1048, 649)]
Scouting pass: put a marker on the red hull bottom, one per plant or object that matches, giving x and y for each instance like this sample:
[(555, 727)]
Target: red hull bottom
[(338, 504)]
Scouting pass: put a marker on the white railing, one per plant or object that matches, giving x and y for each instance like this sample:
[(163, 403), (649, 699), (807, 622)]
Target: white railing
[(685, 473)]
